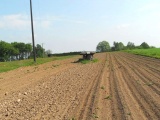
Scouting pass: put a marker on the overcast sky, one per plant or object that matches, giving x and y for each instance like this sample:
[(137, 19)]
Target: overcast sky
[(77, 25)]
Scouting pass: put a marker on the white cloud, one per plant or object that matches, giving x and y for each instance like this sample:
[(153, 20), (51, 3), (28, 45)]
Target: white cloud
[(16, 21), (23, 22)]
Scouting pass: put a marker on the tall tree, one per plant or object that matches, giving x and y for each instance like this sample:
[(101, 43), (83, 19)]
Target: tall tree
[(118, 46), (39, 50), (130, 45), (6, 50), (28, 50), (121, 46), (103, 47), (24, 49), (144, 45)]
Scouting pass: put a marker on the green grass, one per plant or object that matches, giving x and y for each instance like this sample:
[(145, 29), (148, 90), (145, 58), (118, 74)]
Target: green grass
[(149, 83), (7, 66), (129, 113), (95, 116), (108, 97), (153, 52), (83, 61), (102, 87)]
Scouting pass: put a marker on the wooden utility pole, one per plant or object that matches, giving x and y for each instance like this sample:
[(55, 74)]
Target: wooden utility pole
[(34, 52)]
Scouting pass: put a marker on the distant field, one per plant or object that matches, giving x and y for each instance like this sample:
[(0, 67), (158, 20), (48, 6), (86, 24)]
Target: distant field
[(7, 66), (154, 52)]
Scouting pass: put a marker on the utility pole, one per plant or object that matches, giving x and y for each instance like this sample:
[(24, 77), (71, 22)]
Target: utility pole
[(34, 52)]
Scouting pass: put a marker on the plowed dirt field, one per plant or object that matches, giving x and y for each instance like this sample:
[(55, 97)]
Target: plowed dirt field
[(120, 86)]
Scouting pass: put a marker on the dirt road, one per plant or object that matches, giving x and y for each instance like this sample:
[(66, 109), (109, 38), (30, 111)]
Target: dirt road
[(119, 86)]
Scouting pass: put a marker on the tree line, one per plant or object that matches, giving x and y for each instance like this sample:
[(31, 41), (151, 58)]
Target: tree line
[(104, 46), (64, 54), (18, 51)]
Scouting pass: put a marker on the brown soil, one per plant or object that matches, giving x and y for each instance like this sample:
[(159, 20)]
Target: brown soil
[(119, 86)]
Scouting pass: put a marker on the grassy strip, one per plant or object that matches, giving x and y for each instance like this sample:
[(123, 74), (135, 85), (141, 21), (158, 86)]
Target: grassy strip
[(87, 61), (154, 52), (7, 66)]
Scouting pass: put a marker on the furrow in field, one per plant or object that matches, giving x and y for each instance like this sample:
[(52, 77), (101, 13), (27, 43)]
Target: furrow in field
[(153, 65), (144, 96), (117, 106), (130, 105), (103, 103), (143, 59), (87, 107), (143, 76)]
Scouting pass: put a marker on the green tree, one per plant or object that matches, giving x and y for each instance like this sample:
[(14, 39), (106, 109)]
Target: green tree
[(6, 50), (130, 45), (103, 47), (118, 46), (3, 48), (16, 46), (28, 50), (39, 50), (21, 47), (28, 47), (144, 45), (24, 49), (121, 46)]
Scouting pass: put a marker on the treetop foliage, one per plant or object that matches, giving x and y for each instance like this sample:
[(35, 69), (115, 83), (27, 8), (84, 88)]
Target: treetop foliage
[(18, 50), (117, 46), (144, 45), (103, 47)]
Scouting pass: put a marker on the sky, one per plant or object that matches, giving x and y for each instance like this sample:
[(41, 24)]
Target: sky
[(79, 25)]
